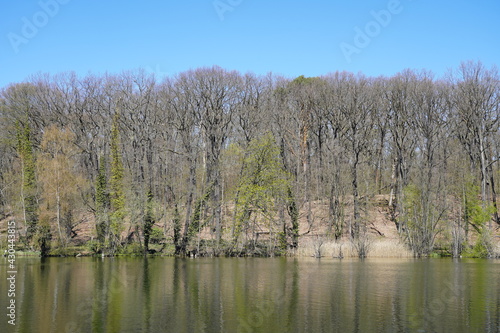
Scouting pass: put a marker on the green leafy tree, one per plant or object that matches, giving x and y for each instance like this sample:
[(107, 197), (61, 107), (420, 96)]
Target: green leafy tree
[(29, 183), (102, 203), (264, 184), (421, 219), (477, 214), (117, 195)]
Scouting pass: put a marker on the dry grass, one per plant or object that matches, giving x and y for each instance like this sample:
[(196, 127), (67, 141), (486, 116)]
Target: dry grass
[(377, 248), (389, 248)]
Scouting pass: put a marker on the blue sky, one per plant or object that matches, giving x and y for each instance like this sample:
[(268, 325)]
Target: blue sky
[(285, 37)]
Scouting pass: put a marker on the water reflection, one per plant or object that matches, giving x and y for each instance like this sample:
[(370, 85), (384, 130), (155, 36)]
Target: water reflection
[(254, 295)]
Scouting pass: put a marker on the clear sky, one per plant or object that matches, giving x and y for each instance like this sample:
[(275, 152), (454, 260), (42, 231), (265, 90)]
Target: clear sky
[(287, 37)]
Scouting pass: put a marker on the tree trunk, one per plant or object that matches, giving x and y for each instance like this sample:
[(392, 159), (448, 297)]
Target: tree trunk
[(355, 193)]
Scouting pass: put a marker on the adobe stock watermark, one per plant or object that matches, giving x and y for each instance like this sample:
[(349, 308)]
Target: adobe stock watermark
[(30, 27), (373, 28), (437, 306), (11, 272), (261, 314), (223, 6), (264, 312), (86, 307)]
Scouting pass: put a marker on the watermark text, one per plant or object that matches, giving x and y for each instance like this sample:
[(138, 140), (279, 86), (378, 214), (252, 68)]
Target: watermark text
[(363, 36), (223, 6), (11, 272), (31, 26)]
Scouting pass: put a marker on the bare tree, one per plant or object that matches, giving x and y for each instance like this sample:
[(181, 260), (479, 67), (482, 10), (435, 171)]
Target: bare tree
[(477, 104), (403, 139), (358, 110), (217, 95)]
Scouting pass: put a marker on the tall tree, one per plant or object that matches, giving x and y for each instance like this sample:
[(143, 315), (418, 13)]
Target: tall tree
[(477, 103), (29, 182), (181, 106), (337, 126), (426, 202), (217, 95), (102, 203), (262, 188), (117, 194), (60, 180), (403, 145), (358, 110)]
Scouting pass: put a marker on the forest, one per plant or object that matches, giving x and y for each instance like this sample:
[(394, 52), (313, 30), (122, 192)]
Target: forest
[(216, 162)]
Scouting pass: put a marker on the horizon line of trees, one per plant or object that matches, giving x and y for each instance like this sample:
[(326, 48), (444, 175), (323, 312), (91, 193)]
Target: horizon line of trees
[(221, 158)]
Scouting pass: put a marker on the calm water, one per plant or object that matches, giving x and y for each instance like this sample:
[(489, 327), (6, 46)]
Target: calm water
[(253, 295)]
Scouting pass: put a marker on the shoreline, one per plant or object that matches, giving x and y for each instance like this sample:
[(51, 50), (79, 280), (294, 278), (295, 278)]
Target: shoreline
[(343, 249)]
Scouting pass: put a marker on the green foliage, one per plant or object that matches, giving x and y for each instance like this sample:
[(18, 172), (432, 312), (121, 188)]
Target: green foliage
[(420, 219), (117, 196), (412, 204), (483, 248), (263, 182), (177, 229), (156, 236), (477, 251), (134, 248), (102, 202), (29, 190), (434, 255), (25, 151), (263, 178), (101, 188), (94, 246), (282, 242), (67, 251), (302, 80), (194, 226), (475, 211)]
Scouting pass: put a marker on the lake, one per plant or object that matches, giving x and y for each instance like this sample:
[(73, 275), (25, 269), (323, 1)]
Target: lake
[(252, 295)]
